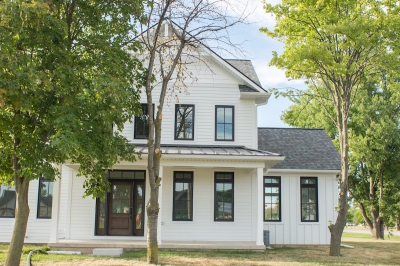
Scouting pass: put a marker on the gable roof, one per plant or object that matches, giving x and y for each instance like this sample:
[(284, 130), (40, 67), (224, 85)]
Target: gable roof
[(246, 68), (308, 149)]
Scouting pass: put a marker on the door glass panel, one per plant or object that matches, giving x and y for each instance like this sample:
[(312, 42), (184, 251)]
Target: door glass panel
[(121, 198), (102, 213), (139, 207)]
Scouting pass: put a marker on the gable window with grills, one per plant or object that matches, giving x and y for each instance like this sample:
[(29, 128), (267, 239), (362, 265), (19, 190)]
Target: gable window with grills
[(45, 198), (224, 123), (141, 130), (309, 199), (223, 197), (272, 199), (184, 122), (183, 196)]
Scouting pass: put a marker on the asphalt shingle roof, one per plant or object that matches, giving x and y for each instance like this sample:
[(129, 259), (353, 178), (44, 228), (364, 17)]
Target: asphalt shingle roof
[(246, 67), (310, 149)]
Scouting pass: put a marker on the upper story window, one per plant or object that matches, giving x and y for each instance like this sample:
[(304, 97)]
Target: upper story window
[(7, 201), (309, 199), (183, 196), (142, 123), (184, 121), (223, 197), (272, 199), (224, 122), (45, 198)]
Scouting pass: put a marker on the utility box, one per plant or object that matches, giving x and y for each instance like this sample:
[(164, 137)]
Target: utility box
[(266, 238)]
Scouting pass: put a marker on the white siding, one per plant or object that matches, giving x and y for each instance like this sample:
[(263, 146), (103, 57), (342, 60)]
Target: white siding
[(214, 87), (203, 227), (38, 230), (291, 231)]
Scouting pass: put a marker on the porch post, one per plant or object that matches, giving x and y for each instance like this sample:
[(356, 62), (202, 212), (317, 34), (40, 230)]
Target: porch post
[(55, 209), (259, 210), (160, 206)]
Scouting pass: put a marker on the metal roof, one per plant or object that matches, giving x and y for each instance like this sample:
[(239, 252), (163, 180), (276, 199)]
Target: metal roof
[(207, 150), (309, 149)]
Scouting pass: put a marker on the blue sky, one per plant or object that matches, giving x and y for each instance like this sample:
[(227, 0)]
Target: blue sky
[(258, 47)]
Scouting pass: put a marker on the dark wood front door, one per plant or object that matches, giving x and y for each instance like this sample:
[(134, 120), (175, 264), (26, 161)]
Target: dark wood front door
[(120, 208)]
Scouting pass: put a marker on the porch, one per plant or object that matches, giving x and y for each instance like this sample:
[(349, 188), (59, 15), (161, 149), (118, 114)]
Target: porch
[(86, 246)]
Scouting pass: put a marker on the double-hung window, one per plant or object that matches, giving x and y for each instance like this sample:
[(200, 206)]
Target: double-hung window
[(45, 198), (223, 196), (7, 201), (309, 199), (142, 123), (184, 121), (224, 123), (183, 196), (272, 199)]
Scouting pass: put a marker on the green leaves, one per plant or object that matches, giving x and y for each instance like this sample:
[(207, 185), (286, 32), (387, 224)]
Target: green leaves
[(66, 78)]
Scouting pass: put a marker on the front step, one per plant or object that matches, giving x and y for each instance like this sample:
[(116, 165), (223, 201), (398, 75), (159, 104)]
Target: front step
[(108, 251)]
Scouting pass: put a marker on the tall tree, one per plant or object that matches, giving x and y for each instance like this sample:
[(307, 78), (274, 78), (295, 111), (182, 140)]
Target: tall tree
[(175, 30), (66, 78), (374, 143), (337, 43)]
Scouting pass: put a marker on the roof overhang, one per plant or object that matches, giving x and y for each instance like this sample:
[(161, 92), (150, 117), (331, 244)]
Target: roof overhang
[(303, 171), (260, 98)]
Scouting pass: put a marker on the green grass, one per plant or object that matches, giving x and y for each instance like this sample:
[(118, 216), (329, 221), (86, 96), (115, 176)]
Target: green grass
[(366, 252), (368, 236)]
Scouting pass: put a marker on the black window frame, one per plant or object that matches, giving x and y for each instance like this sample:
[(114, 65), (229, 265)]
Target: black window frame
[(233, 122), (232, 181), (182, 180), (15, 202), (41, 179), (278, 185), (177, 106), (137, 118), (316, 198)]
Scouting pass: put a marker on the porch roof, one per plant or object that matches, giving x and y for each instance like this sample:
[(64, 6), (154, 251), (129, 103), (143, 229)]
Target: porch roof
[(208, 150)]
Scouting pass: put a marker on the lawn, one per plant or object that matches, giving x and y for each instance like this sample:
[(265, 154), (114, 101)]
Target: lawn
[(366, 252)]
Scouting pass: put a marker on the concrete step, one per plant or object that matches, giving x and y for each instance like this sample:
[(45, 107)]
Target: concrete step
[(108, 251)]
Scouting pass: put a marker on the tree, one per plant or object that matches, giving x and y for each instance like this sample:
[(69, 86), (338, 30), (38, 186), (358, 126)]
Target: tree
[(374, 145), (66, 78), (172, 39), (337, 43)]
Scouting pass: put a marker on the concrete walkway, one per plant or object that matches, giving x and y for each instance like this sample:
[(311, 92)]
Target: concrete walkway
[(360, 229)]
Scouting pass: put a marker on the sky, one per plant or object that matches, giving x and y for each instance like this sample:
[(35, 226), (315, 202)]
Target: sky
[(259, 47)]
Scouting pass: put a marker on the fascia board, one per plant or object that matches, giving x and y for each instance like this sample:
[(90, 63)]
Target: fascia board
[(303, 171)]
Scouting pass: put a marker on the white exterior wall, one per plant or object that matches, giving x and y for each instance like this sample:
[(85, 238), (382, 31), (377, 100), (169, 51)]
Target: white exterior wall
[(291, 231), (214, 87), (38, 230), (203, 227)]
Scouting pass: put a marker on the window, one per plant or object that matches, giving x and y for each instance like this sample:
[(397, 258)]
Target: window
[(141, 130), (224, 122), (223, 197), (7, 201), (272, 199), (309, 199), (184, 121), (45, 199), (183, 196)]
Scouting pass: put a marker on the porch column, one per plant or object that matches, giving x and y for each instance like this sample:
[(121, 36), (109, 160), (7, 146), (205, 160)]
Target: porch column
[(160, 206), (55, 210), (259, 209)]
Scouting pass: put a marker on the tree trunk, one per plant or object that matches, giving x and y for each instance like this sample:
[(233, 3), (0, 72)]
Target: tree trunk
[(336, 229), (397, 226), (152, 223), (21, 221)]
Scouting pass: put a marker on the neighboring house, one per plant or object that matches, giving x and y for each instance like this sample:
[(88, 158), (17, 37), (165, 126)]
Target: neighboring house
[(223, 179)]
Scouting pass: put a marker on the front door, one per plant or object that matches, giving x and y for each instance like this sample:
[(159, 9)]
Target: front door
[(120, 208)]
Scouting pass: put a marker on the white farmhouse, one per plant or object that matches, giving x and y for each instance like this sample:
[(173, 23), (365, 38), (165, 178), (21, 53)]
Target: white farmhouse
[(224, 181)]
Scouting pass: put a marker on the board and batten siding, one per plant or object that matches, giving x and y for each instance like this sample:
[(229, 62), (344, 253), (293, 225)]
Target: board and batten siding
[(215, 86), (38, 230), (291, 231), (203, 227)]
